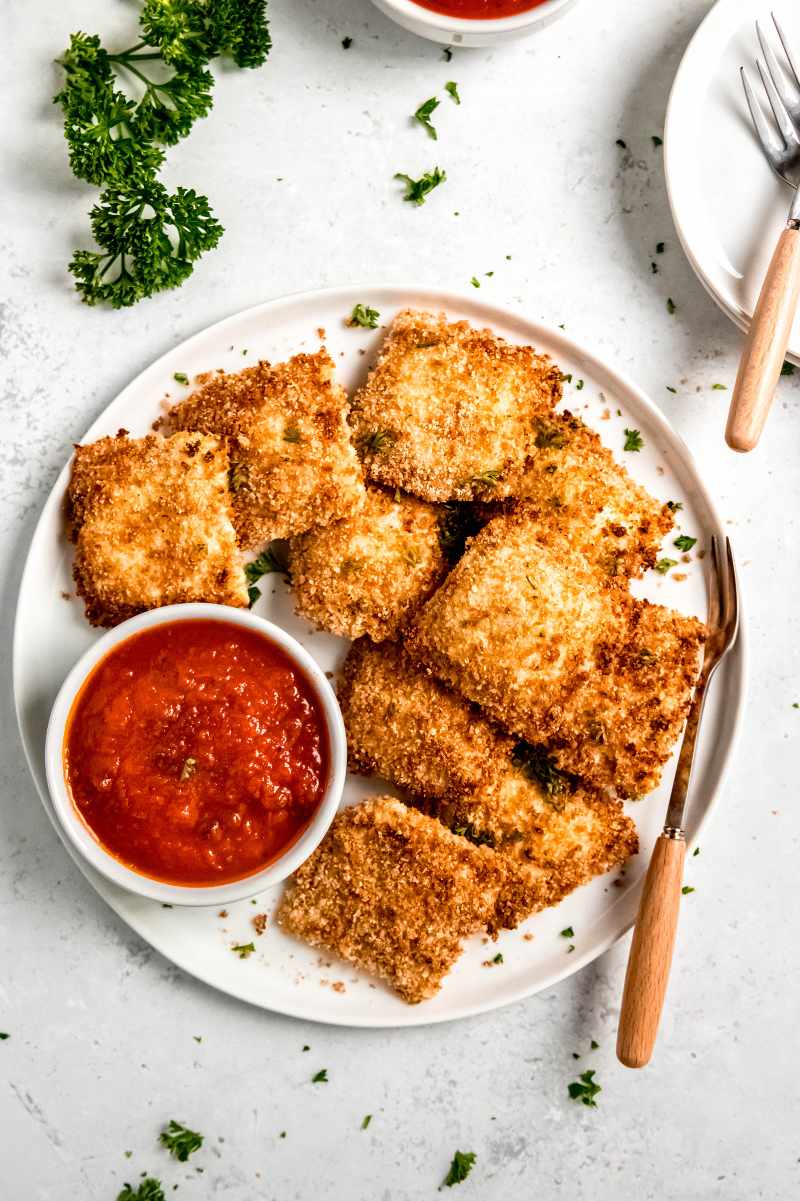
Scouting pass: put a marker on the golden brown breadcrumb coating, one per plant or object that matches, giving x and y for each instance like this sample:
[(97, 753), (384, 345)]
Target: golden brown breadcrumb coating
[(293, 465), (448, 411), (525, 628), (368, 573), (152, 523), (586, 497), (405, 726), (393, 892)]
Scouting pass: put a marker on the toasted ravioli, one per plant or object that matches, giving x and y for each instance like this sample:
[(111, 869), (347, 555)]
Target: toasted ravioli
[(393, 892), (407, 727), (152, 525), (558, 656), (367, 573), (587, 498), (448, 411), (292, 462)]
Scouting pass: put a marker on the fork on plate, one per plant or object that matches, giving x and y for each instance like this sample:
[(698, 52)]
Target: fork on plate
[(778, 131), (657, 920)]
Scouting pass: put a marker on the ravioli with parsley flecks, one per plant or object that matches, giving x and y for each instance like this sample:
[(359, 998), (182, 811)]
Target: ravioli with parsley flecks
[(448, 411), (293, 465)]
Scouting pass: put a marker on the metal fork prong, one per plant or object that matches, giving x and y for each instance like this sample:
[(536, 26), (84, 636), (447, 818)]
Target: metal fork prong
[(715, 591), (731, 606), (775, 87), (787, 50), (769, 143)]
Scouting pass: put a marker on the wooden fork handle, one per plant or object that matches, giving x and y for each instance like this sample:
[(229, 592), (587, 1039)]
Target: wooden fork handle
[(765, 347), (651, 953)]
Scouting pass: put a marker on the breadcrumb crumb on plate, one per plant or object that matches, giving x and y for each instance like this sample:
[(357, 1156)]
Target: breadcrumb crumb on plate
[(152, 525), (293, 465), (393, 892), (369, 572), (405, 726), (448, 411), (526, 629)]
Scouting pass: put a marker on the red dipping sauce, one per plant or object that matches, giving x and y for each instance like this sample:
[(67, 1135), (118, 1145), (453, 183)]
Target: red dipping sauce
[(472, 10), (196, 752)]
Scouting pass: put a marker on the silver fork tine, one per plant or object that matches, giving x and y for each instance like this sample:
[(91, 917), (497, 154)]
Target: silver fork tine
[(778, 80), (769, 143), (786, 49), (715, 592), (782, 118), (731, 617)]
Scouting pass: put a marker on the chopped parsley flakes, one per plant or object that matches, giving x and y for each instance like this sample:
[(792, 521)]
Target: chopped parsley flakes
[(180, 1141), (365, 1121), (687, 888), (660, 247), (270, 560), (671, 305), (149, 1190), (418, 189), (476, 283), (664, 565), (633, 440), (460, 1167), (584, 1089), (180, 377), (787, 369), (684, 542), (377, 441), (424, 113), (568, 932), (320, 1077), (244, 950), (622, 145), (656, 140), (347, 43), (365, 317), (4, 1036), (452, 91), (719, 387)]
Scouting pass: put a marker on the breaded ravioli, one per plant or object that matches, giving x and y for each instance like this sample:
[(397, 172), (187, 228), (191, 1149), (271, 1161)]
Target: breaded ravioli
[(293, 465), (152, 524), (448, 412), (393, 892), (367, 573), (586, 497), (404, 725), (527, 629)]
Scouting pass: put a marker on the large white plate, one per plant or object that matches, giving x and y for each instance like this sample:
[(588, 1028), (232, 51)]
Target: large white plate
[(51, 633), (727, 205)]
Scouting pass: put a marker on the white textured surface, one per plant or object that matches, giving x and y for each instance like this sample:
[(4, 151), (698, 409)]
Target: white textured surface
[(101, 1052)]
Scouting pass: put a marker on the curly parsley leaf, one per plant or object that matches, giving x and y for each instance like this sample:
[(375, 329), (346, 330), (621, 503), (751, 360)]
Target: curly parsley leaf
[(633, 440), (149, 1189), (460, 1167), (189, 32), (149, 240), (320, 1077), (418, 189), (584, 1089), (536, 764), (664, 565), (180, 1141), (365, 317), (424, 114), (244, 950), (452, 91), (684, 542)]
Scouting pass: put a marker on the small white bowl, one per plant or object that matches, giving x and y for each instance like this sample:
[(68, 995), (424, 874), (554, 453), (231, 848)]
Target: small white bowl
[(456, 31), (81, 837)]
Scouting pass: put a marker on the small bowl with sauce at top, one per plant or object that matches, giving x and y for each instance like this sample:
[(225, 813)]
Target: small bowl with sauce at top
[(473, 22), (196, 755)]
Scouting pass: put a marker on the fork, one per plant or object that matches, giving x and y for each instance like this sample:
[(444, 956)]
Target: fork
[(768, 336), (657, 920)]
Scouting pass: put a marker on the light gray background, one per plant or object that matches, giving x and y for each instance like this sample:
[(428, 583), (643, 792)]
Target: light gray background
[(298, 161)]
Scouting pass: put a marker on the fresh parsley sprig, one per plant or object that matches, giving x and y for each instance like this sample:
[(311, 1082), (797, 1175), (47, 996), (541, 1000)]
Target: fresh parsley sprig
[(418, 189), (120, 109)]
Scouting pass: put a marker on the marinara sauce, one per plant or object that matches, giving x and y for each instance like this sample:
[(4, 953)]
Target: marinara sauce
[(488, 10), (196, 752)]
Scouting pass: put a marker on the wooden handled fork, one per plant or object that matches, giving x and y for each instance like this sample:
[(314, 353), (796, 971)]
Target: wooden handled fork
[(771, 327), (657, 921)]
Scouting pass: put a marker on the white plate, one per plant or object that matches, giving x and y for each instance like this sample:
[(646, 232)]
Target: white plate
[(727, 205), (283, 975)]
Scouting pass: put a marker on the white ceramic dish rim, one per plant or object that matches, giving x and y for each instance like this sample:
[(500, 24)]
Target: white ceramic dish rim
[(87, 846), (678, 177), (442, 22), (438, 299)]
